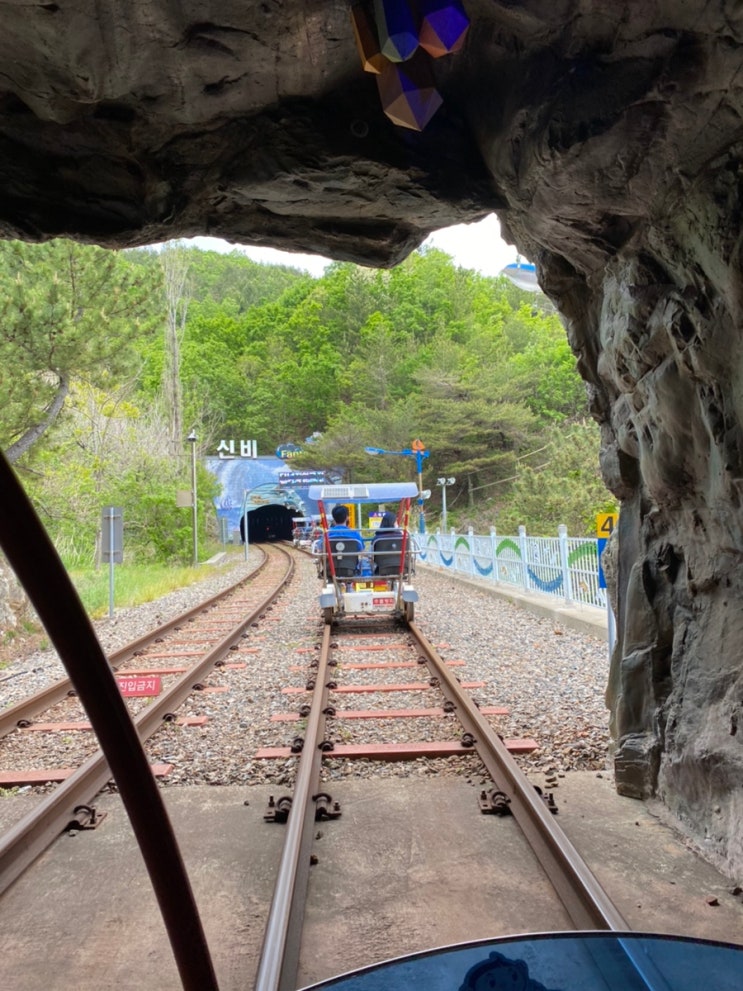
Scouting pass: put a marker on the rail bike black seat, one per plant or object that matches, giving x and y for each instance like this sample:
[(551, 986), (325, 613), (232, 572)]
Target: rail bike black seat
[(387, 553), (345, 554)]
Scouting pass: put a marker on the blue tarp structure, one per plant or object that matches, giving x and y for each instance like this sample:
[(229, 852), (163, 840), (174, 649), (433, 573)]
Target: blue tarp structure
[(523, 275), (260, 482)]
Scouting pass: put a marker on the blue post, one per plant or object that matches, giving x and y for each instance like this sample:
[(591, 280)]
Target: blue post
[(611, 623), (419, 455)]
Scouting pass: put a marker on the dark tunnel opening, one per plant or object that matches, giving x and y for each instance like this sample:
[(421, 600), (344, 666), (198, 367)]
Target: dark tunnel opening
[(267, 523)]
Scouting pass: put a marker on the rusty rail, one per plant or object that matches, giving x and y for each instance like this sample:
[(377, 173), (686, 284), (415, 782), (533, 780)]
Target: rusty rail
[(279, 961), (586, 902), (59, 690), (28, 838), (37, 565), (584, 899)]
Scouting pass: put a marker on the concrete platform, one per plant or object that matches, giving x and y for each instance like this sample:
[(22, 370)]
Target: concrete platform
[(411, 864)]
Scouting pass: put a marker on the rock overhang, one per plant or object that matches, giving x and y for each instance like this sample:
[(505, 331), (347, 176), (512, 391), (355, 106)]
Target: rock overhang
[(154, 122)]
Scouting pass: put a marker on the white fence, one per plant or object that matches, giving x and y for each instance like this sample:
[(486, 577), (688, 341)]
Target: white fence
[(564, 567)]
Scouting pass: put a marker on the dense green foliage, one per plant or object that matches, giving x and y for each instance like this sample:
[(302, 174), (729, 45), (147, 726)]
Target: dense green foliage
[(67, 313), (476, 368)]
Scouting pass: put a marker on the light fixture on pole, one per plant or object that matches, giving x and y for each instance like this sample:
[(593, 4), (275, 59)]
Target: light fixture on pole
[(443, 482), (192, 441), (418, 451)]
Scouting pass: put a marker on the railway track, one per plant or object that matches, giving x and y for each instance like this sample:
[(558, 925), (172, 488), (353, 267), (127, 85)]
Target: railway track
[(178, 655), (123, 660), (340, 687), (404, 684), (372, 658)]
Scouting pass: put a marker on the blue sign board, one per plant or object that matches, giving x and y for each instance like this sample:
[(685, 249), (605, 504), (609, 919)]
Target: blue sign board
[(285, 451), (600, 545)]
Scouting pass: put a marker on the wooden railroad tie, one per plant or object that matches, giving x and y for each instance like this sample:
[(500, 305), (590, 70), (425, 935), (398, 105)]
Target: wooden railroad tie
[(19, 779), (486, 710), (399, 751)]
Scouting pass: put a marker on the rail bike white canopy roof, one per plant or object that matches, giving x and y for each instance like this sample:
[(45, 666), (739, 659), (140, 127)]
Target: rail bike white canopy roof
[(369, 492)]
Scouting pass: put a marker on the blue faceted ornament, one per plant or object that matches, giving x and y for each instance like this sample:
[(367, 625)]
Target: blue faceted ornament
[(443, 27), (397, 27)]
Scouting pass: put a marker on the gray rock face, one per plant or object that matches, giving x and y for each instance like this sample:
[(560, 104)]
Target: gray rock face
[(608, 137)]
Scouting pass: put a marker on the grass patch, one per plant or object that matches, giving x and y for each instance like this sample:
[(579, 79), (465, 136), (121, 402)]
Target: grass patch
[(133, 584)]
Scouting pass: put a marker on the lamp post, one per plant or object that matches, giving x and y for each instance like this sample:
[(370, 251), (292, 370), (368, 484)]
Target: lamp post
[(418, 451), (443, 482), (192, 441)]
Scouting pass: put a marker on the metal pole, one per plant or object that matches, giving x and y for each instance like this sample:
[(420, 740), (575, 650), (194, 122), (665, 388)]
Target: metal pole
[(111, 511), (194, 508), (443, 507), (419, 466)]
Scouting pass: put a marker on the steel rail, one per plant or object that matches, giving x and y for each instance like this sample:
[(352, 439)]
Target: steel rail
[(11, 717), (29, 837), (586, 902), (279, 960), (36, 563)]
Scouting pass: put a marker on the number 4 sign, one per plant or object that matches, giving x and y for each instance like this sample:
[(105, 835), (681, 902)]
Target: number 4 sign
[(605, 523)]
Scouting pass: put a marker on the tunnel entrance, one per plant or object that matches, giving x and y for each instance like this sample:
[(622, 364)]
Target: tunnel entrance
[(268, 523)]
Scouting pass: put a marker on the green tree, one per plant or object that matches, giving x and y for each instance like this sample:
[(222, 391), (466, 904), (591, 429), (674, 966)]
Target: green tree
[(110, 451), (68, 312), (559, 483)]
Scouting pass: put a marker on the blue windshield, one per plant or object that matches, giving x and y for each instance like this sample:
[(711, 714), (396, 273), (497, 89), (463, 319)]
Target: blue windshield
[(560, 962)]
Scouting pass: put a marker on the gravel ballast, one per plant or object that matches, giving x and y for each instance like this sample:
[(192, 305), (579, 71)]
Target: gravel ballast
[(552, 679)]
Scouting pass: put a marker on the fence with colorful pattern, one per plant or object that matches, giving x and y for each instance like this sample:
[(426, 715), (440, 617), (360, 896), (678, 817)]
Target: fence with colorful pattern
[(564, 567)]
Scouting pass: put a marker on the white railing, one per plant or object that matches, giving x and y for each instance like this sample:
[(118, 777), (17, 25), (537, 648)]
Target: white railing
[(563, 567)]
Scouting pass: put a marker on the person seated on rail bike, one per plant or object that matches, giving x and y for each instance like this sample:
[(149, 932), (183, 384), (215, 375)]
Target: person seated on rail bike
[(340, 530), (386, 545), (340, 527)]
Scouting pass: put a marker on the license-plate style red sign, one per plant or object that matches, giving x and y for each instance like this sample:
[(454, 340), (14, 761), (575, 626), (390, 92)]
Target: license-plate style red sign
[(130, 687), (383, 601)]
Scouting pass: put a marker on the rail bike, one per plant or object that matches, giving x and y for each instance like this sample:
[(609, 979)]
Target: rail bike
[(305, 529), (368, 569)]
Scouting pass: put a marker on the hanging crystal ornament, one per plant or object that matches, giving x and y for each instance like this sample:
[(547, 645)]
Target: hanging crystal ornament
[(397, 28), (444, 26), (407, 92), (367, 42)]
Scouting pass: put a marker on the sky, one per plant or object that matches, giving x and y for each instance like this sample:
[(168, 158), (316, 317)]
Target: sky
[(476, 246)]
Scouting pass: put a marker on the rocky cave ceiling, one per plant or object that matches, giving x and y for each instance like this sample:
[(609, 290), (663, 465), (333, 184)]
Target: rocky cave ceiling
[(607, 137), (127, 122)]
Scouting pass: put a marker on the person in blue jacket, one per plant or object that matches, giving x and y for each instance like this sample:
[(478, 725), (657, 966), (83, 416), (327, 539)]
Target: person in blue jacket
[(340, 527), (340, 530)]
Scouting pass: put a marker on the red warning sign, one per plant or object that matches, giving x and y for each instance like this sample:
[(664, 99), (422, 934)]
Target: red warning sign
[(131, 687)]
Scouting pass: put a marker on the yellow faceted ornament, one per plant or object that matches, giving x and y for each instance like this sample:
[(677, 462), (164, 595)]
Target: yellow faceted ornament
[(408, 95), (367, 41)]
